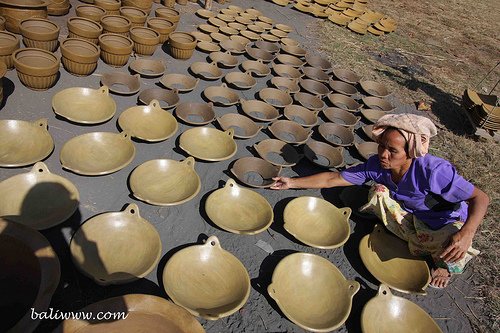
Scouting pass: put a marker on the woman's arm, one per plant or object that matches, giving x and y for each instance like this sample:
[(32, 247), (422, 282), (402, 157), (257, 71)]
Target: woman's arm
[(462, 240), (319, 180)]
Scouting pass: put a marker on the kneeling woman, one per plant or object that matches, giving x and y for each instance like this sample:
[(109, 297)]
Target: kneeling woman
[(419, 197)]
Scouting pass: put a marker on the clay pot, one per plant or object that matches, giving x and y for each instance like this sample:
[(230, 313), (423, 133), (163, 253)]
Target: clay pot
[(37, 69), (40, 33), (112, 7), (116, 24), (136, 16), (94, 13), (79, 56), (169, 13), (145, 40), (14, 11), (58, 7), (8, 44), (145, 5), (182, 45), (79, 27), (115, 49), (162, 26), (168, 3)]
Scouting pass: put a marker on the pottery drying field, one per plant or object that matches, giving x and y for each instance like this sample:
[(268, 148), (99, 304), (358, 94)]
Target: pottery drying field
[(188, 223)]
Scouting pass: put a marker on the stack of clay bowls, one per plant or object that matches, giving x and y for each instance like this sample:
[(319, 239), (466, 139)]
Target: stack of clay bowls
[(145, 5), (91, 12), (116, 24), (58, 7), (182, 45), (37, 69), (145, 40), (115, 49), (162, 26), (79, 56), (40, 33), (79, 27), (112, 7), (136, 16), (8, 44), (14, 11)]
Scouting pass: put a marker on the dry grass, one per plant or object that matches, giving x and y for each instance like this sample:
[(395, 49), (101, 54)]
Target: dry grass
[(440, 48)]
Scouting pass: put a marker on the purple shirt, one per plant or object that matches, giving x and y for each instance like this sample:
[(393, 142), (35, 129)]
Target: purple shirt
[(431, 189)]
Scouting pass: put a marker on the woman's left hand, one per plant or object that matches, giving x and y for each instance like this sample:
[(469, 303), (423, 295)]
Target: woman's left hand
[(458, 246)]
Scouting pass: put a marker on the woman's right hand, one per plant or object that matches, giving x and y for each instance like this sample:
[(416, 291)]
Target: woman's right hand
[(281, 183)]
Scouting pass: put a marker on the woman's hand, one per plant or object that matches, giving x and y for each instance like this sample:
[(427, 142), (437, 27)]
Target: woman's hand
[(458, 246), (281, 183)]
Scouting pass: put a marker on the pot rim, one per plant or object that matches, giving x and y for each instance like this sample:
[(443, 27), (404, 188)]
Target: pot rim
[(124, 49), (72, 55), (36, 71), (34, 34)]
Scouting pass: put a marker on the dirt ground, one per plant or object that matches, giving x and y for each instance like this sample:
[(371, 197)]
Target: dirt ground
[(420, 61)]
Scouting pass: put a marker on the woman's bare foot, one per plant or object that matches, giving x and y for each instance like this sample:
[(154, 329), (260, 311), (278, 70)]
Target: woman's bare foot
[(440, 278)]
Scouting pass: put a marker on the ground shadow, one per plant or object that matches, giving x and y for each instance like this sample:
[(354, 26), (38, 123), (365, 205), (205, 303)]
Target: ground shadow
[(8, 89)]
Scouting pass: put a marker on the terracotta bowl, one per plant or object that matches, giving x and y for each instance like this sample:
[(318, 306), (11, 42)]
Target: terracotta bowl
[(136, 16), (343, 87), (115, 49), (294, 50), (143, 312), (167, 98), (205, 13), (8, 44), (336, 135), (259, 110), (290, 60), (309, 101), (240, 80), (243, 127), (217, 22), (259, 54), (239, 210), (145, 40), (289, 41), (323, 154), (112, 7), (374, 88), (319, 302), (182, 45), (221, 95), (79, 27), (344, 102), (318, 62), (208, 144), (255, 172), (214, 273), (79, 56), (24, 142), (341, 117), (278, 33), (58, 8), (400, 312), (37, 69), (317, 223), (285, 84), (224, 58), (314, 87), (145, 5), (30, 275), (315, 74), (250, 34), (40, 33), (367, 149), (367, 130), (195, 113), (148, 122), (243, 20), (208, 28), (290, 131), (301, 115), (179, 82), (84, 105), (116, 24), (169, 13), (240, 39), (275, 97), (238, 26), (205, 70), (97, 153), (201, 36), (270, 38), (228, 31), (284, 27), (225, 17), (218, 37), (14, 11), (389, 261), (256, 67), (162, 26), (372, 115), (277, 152), (147, 67), (121, 83), (287, 71), (129, 247), (91, 12), (377, 103), (233, 46), (165, 182), (346, 75)]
